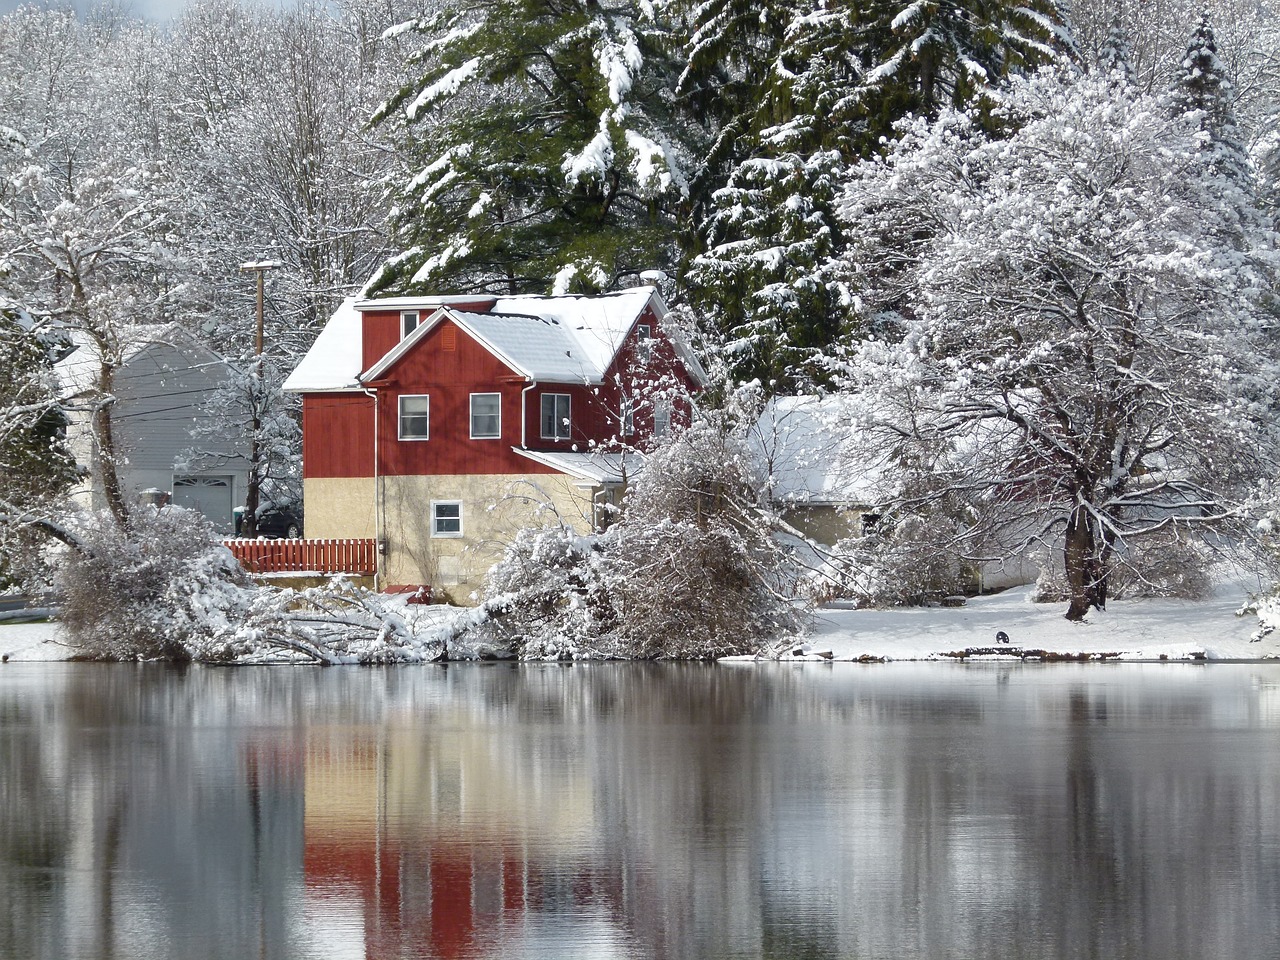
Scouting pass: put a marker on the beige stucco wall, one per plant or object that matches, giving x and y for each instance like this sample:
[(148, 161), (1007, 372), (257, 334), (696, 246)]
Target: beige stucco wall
[(825, 524), (494, 508), (338, 507)]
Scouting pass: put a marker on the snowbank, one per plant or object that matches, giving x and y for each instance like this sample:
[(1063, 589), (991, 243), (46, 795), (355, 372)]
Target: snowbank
[(1128, 630)]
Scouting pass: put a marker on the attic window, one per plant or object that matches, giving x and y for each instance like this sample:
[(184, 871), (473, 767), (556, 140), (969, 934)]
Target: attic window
[(644, 337), (408, 322), (628, 417), (449, 339)]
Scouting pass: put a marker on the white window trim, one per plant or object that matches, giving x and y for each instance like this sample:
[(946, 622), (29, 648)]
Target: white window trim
[(472, 412), (450, 535), (404, 316), (627, 416), (560, 421), (400, 416), (644, 331), (662, 412)]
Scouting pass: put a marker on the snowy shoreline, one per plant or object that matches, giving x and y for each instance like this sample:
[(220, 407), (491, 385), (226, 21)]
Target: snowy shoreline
[(1129, 630)]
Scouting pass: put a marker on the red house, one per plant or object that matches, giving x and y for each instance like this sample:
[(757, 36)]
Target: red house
[(442, 425)]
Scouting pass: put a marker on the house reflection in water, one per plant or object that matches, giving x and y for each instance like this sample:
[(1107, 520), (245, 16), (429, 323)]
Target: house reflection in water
[(435, 839)]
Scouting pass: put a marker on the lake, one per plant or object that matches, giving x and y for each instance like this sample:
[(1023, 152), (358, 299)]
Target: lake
[(891, 811)]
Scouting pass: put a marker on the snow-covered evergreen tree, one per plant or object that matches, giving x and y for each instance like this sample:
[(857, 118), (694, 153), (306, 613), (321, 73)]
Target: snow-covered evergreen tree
[(937, 53), (764, 280), (1204, 91), (544, 157), (770, 282), (1072, 321)]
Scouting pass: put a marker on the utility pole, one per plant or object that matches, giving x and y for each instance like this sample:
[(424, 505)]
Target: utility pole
[(253, 490)]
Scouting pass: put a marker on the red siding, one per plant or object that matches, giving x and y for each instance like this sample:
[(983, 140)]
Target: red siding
[(337, 435), (381, 333), (449, 377), (662, 363), (338, 429)]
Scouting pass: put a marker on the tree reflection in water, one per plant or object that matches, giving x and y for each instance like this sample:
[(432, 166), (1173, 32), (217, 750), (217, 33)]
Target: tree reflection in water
[(639, 810)]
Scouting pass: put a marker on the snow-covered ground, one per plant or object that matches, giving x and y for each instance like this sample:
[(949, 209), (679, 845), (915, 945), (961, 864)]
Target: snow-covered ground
[(1128, 630)]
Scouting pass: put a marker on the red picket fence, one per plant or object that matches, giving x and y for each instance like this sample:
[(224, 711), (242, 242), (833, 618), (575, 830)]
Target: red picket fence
[(357, 557)]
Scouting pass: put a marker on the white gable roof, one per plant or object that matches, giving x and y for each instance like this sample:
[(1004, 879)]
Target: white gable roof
[(535, 347), (77, 372), (333, 362), (571, 339), (598, 324)]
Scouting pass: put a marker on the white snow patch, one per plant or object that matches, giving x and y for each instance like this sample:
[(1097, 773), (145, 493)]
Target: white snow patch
[(594, 160), (446, 86)]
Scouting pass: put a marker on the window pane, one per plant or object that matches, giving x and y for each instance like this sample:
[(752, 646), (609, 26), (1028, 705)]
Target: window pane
[(408, 322), (628, 417), (661, 418), (555, 415), (485, 414), (447, 518), (414, 417)]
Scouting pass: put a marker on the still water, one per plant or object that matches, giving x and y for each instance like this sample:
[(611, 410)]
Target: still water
[(642, 811)]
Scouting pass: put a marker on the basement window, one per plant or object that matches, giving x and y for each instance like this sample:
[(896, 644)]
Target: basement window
[(446, 518)]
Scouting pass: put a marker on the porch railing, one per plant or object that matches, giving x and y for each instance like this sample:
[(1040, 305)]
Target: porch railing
[(356, 557)]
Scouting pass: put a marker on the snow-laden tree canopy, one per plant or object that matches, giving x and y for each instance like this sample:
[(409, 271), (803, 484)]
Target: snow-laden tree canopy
[(539, 149), (1075, 321)]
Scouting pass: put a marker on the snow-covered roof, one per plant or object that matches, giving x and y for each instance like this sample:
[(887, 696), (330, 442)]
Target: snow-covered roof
[(570, 339), (598, 324), (593, 467), (78, 371), (333, 362), (807, 443)]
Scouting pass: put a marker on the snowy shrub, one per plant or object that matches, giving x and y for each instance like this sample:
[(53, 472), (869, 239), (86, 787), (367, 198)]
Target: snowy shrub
[(692, 570), (1051, 585), (1161, 564), (330, 624), (905, 562), (151, 591), (548, 598), (165, 589)]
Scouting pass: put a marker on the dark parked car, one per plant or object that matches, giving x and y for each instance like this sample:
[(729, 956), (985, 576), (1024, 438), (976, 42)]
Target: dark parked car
[(276, 520)]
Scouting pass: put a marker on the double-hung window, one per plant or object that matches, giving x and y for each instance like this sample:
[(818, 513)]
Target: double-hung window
[(408, 322), (644, 341), (555, 416), (415, 417), (446, 518), (661, 418), (486, 416)]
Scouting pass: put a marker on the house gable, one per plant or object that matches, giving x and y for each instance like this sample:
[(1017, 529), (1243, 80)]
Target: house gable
[(446, 364)]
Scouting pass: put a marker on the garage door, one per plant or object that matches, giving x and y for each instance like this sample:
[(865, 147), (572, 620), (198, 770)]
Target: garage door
[(210, 495)]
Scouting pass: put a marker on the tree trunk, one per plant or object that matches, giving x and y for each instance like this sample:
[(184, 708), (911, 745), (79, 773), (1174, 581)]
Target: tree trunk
[(105, 453), (1077, 559)]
